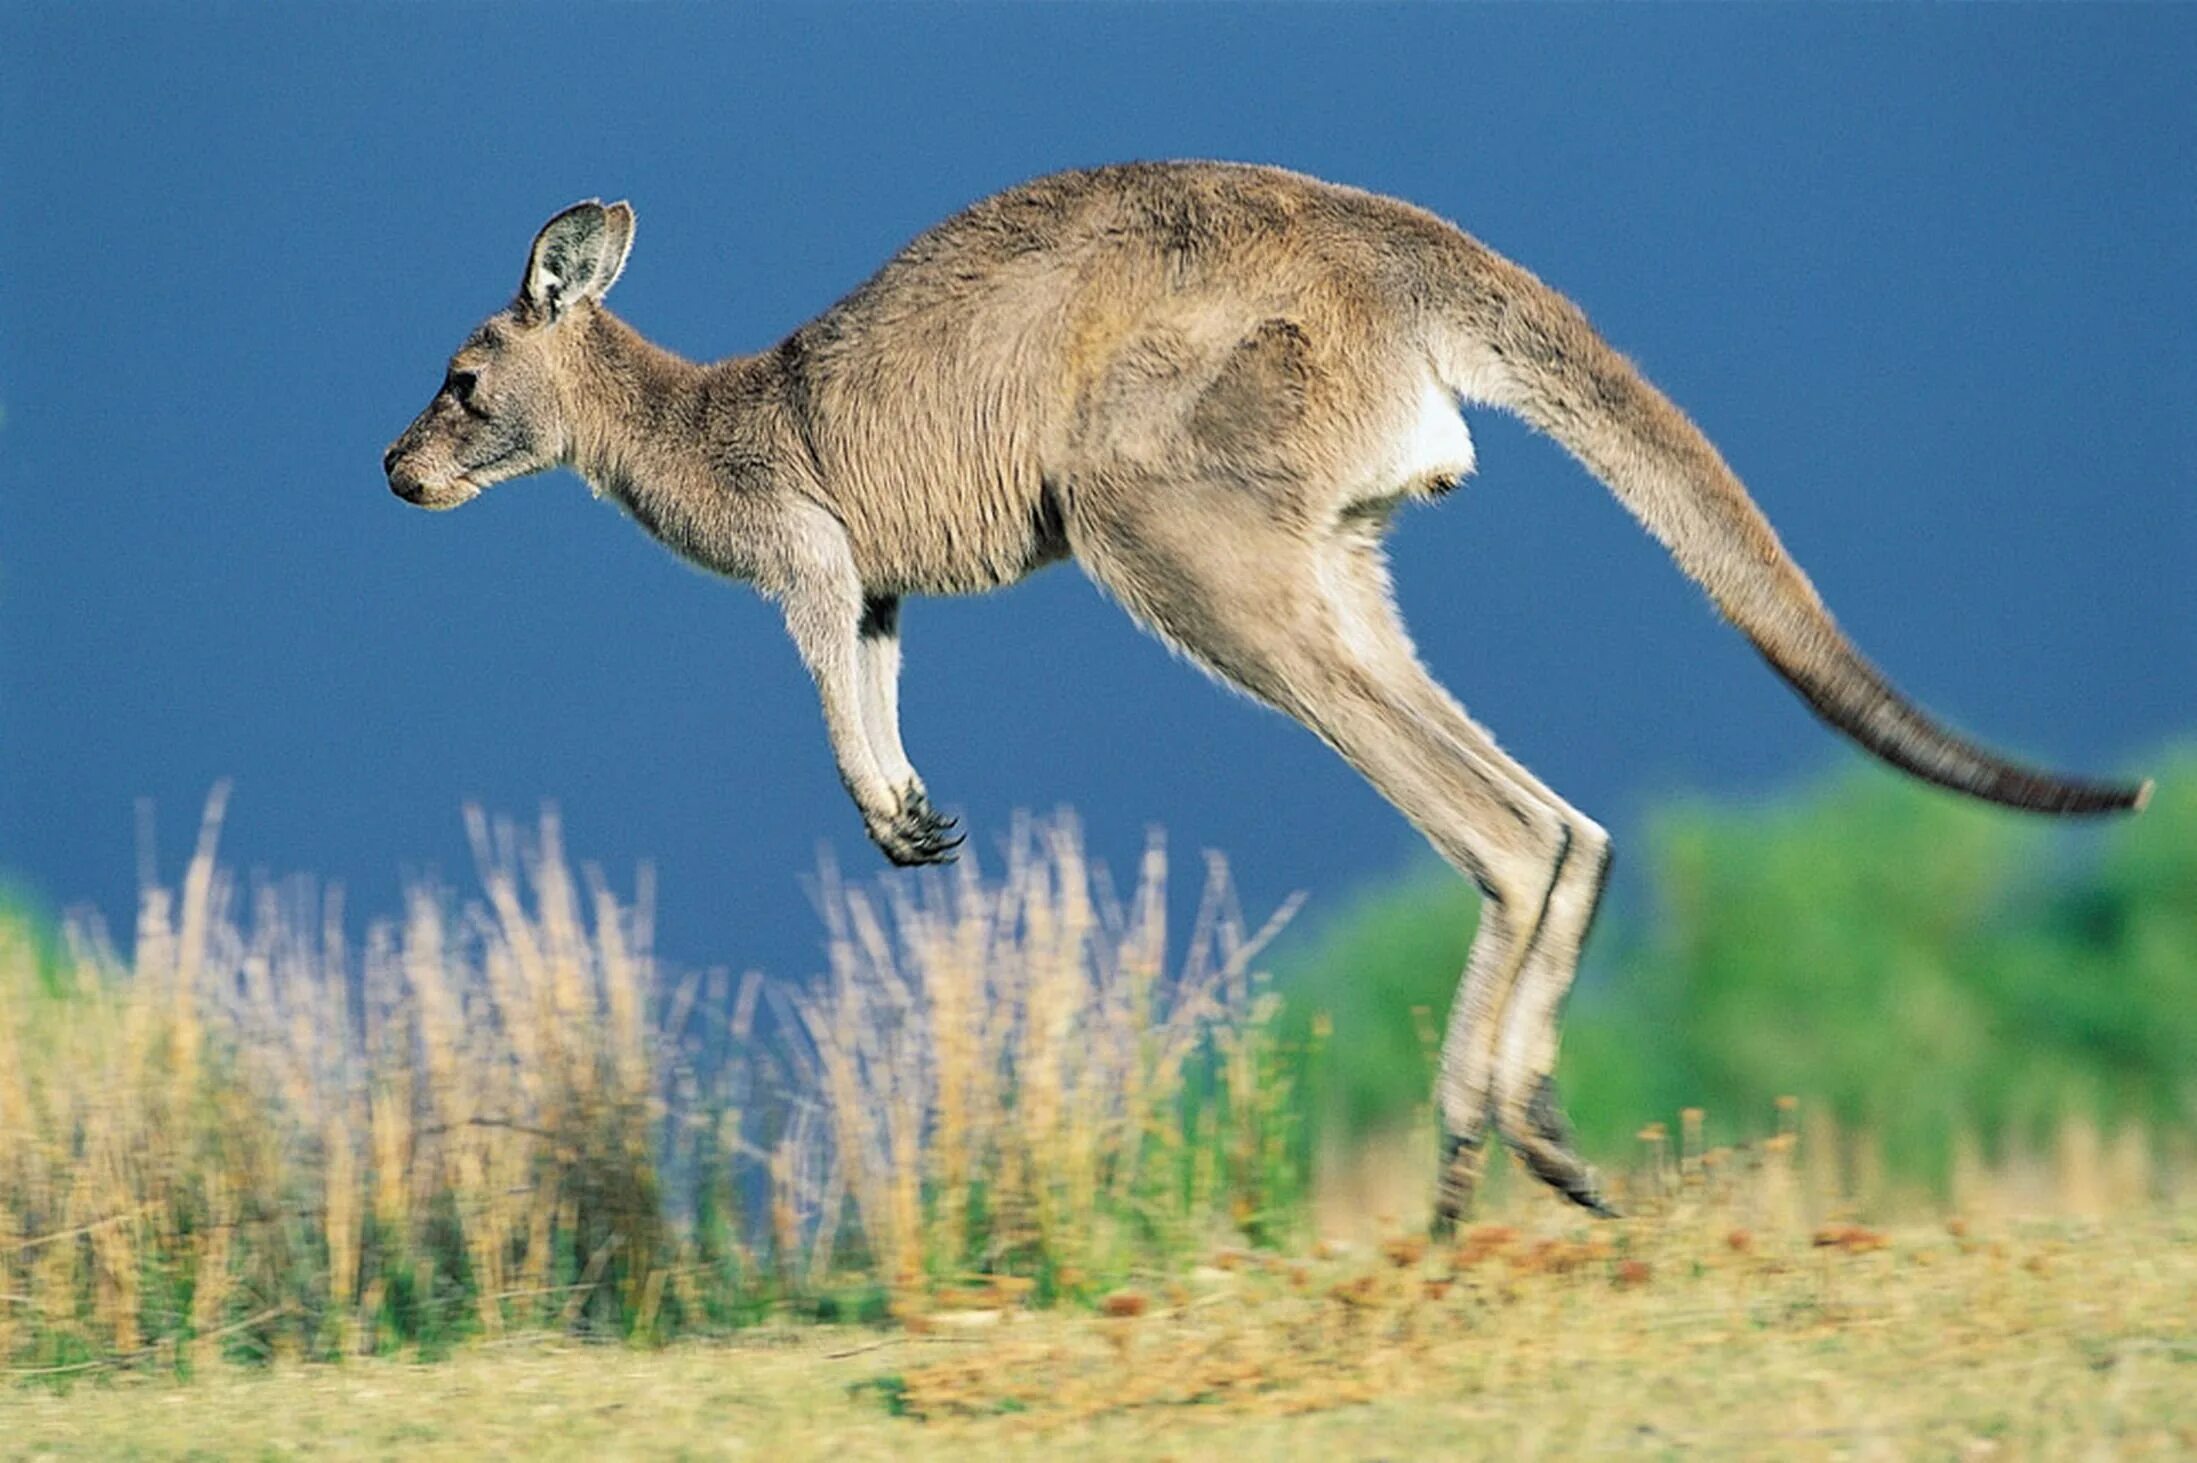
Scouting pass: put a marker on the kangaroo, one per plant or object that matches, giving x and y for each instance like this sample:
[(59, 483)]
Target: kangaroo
[(1212, 385)]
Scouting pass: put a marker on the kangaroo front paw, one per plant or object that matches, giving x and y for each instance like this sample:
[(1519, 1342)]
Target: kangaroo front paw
[(916, 833)]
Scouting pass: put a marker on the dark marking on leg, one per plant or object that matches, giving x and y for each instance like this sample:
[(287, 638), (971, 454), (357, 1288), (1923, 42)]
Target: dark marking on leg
[(1546, 1115), (1556, 876), (1594, 899), (1464, 1155), (1552, 1159), (1547, 1146), (880, 617)]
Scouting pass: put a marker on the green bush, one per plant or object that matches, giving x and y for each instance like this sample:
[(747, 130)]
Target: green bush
[(1921, 964)]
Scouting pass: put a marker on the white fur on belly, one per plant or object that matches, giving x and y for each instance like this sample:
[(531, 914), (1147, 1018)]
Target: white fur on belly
[(1433, 445)]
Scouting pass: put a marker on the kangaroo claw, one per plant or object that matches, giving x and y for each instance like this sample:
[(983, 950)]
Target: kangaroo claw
[(917, 834)]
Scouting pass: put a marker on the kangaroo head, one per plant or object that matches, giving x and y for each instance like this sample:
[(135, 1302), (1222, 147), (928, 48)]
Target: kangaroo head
[(506, 401)]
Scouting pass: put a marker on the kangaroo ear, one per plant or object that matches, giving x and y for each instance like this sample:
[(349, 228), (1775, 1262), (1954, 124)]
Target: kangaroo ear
[(577, 256)]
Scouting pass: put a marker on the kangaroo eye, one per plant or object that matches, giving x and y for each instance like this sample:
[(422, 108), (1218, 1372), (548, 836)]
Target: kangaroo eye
[(460, 384)]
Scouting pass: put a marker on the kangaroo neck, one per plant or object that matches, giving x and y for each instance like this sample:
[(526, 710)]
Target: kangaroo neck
[(637, 414)]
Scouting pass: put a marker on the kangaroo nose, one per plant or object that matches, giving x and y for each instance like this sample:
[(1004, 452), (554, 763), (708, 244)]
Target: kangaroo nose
[(403, 484)]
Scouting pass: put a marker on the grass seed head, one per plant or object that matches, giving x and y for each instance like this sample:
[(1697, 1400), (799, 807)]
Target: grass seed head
[(1123, 1304)]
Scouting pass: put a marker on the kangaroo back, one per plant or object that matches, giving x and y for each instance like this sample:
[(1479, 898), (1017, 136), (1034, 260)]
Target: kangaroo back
[(1511, 341)]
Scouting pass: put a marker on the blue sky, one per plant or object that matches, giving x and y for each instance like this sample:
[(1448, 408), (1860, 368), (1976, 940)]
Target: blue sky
[(1926, 276)]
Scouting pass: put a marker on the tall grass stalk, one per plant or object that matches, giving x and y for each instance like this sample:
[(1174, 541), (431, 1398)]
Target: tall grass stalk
[(248, 1120), (251, 1136), (1012, 1081)]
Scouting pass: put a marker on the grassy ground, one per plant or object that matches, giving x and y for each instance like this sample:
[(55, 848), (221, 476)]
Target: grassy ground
[(2008, 1340), (268, 1193)]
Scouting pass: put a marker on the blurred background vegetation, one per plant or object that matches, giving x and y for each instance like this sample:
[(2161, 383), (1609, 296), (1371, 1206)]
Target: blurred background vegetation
[(1927, 970)]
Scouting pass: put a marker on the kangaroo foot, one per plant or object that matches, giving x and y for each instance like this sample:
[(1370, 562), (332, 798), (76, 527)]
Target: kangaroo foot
[(1462, 1160), (1543, 1139)]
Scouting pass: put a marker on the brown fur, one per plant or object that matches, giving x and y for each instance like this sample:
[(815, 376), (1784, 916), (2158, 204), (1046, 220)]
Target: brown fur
[(1209, 383)]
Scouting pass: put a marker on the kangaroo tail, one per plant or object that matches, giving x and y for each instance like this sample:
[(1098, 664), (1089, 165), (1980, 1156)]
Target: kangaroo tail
[(1513, 342)]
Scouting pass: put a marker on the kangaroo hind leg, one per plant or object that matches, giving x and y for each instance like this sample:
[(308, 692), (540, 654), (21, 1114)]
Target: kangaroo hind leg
[(1304, 622), (1524, 1045), (1499, 1050)]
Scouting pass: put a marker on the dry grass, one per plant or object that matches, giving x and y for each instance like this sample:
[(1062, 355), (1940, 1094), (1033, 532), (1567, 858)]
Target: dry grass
[(1553, 1344), (1807, 1173), (1541, 1338), (1742, 1307), (1014, 1083), (250, 1137), (489, 1127)]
